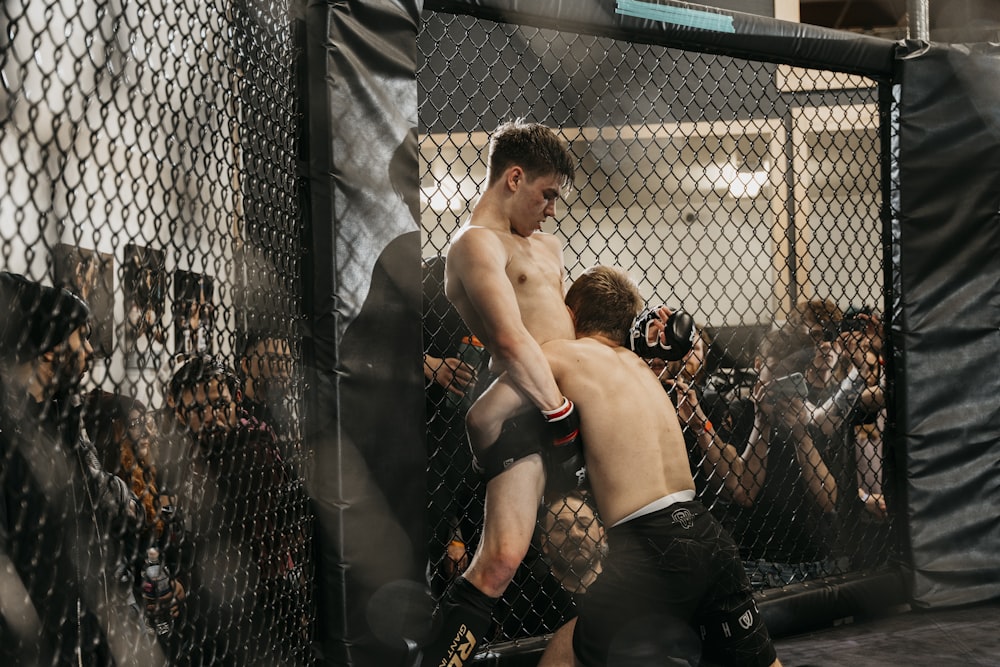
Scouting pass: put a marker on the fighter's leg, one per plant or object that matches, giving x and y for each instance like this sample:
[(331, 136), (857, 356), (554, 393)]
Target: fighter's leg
[(512, 498), (485, 418)]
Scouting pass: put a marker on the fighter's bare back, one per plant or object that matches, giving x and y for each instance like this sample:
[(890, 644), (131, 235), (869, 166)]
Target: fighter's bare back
[(633, 442)]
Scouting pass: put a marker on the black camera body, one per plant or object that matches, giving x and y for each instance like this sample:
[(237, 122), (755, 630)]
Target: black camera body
[(787, 387)]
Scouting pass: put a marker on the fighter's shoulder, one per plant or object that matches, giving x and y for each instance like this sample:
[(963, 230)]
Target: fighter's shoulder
[(548, 240), (473, 234), (475, 240), (568, 349)]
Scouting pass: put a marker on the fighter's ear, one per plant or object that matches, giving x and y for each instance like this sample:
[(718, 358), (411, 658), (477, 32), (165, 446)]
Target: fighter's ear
[(515, 175)]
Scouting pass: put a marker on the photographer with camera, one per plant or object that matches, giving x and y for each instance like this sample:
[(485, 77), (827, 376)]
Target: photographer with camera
[(845, 399), (711, 422), (862, 339), (786, 531)]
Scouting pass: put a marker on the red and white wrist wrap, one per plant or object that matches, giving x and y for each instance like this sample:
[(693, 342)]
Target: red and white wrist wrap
[(560, 412)]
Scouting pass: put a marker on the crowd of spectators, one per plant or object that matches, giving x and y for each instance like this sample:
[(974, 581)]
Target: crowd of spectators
[(794, 467), (93, 479)]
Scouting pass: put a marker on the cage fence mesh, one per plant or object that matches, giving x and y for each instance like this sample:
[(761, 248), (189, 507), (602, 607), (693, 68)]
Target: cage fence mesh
[(148, 158), (745, 192)]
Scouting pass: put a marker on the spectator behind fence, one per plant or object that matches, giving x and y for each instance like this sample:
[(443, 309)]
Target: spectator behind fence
[(862, 339), (563, 562), (265, 370), (724, 458), (842, 416), (247, 573), (819, 319), (61, 513), (126, 438), (572, 541), (788, 533), (867, 539), (455, 491)]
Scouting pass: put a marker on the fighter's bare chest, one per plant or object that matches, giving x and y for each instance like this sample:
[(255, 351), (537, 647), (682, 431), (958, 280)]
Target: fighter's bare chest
[(533, 266)]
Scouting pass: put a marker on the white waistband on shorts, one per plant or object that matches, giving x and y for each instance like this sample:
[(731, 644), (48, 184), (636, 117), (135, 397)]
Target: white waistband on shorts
[(687, 495)]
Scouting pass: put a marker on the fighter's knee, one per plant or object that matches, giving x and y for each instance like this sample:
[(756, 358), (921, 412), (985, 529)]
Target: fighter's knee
[(494, 573), (478, 427)]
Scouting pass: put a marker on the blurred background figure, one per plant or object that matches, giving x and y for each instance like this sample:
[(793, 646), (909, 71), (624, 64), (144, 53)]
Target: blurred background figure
[(453, 371), (797, 486), (862, 340), (88, 274), (266, 370), (127, 441), (247, 572), (61, 513), (194, 315), (144, 283)]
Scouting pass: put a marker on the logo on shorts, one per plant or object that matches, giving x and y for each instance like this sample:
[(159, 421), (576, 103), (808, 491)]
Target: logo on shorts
[(746, 620), (683, 517)]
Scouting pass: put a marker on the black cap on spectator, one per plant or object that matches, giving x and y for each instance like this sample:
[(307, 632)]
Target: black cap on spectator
[(34, 318)]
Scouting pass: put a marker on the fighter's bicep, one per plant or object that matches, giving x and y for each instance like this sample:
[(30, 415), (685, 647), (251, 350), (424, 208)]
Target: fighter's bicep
[(484, 280)]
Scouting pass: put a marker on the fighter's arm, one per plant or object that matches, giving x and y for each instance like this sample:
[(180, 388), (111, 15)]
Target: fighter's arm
[(478, 261)]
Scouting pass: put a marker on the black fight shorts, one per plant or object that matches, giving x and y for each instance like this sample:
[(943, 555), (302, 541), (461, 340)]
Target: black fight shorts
[(521, 437), (672, 592)]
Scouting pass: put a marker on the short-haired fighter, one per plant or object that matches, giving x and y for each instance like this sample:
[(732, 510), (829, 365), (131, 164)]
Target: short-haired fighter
[(673, 585), (506, 278)]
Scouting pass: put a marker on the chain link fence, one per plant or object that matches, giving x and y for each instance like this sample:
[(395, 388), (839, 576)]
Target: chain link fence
[(150, 242), (746, 192), (148, 167)]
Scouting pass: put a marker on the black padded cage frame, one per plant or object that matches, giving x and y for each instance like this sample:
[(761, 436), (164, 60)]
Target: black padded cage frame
[(736, 166)]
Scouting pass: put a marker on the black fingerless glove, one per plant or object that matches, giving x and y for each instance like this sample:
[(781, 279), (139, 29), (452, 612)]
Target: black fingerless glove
[(678, 336)]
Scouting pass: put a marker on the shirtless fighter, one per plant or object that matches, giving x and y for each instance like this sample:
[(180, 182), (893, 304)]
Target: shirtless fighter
[(673, 589)]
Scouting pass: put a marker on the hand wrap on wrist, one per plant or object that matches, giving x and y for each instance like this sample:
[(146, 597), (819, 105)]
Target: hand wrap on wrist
[(565, 466)]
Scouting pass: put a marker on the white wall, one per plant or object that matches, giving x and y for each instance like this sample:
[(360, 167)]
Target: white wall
[(117, 130)]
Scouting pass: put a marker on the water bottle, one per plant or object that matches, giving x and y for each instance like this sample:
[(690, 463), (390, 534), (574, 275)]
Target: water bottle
[(157, 593), (472, 352)]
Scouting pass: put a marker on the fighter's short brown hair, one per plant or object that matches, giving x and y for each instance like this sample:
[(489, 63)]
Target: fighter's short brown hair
[(532, 146), (604, 300)]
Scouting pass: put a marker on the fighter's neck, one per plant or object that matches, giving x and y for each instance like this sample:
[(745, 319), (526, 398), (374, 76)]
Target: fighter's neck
[(604, 340)]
